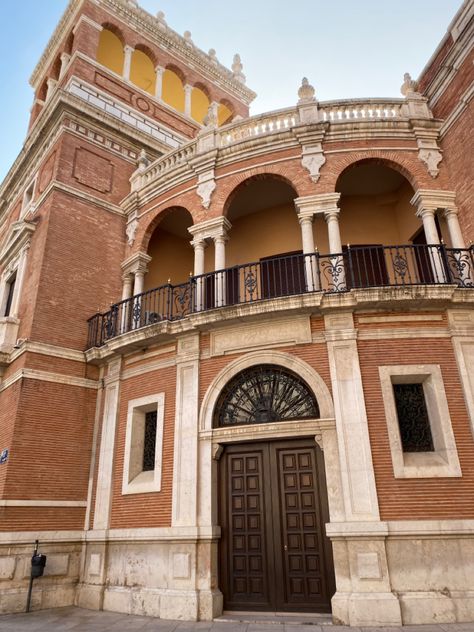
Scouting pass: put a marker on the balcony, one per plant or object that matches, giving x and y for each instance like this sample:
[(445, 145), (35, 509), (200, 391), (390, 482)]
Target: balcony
[(357, 267)]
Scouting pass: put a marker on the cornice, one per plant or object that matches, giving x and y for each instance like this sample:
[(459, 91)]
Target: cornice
[(65, 23), (165, 37)]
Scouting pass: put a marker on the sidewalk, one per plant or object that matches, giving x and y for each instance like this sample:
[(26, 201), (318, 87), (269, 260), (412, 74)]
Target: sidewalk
[(78, 620)]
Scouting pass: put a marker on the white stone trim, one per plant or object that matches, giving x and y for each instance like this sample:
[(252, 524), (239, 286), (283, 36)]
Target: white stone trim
[(103, 500), (148, 368), (286, 360), (28, 197), (45, 376), (134, 479), (444, 461), (400, 319), (48, 350), (185, 469), (43, 503)]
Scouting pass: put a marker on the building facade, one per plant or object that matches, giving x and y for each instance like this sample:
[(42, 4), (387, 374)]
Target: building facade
[(237, 353)]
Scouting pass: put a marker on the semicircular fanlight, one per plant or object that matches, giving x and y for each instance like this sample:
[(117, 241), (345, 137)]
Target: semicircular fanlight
[(265, 394)]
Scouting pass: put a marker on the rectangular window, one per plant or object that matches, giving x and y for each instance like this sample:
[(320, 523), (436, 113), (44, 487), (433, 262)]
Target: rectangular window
[(420, 434), (149, 441), (144, 445), (415, 431), (10, 292)]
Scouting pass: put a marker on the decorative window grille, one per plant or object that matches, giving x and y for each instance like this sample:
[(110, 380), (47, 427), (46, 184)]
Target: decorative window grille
[(413, 420), (149, 441), (265, 394), (10, 293)]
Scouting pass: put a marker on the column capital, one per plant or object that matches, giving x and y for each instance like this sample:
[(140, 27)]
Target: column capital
[(137, 263), (188, 87), (198, 242), (316, 204), (433, 199), (159, 69), (332, 215), (128, 49), (210, 229)]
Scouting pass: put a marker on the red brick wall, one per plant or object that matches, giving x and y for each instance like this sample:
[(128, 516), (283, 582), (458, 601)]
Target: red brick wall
[(411, 499), (151, 509)]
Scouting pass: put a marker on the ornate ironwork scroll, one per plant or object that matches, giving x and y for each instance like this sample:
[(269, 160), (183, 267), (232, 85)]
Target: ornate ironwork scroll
[(265, 394), (415, 431), (149, 441)]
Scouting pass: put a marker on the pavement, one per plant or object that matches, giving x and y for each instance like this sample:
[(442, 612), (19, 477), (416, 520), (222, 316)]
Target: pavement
[(73, 619)]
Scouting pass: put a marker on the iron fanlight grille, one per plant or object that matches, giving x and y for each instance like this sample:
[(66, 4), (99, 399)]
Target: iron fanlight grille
[(264, 394), (149, 441), (413, 421)]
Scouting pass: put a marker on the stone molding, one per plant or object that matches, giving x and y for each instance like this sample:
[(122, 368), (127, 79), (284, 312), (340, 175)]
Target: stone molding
[(137, 262), (46, 376), (320, 204), (210, 229), (43, 503), (433, 199)]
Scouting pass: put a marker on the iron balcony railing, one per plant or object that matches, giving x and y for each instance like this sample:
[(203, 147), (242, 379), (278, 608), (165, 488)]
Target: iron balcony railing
[(296, 274)]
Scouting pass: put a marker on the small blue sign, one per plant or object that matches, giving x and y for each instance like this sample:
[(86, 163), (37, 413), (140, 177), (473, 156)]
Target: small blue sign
[(4, 455)]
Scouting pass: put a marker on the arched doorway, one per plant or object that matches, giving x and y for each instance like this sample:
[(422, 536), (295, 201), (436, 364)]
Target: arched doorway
[(274, 555)]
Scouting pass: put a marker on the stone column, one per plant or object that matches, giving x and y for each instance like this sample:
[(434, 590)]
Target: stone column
[(159, 82), (310, 264), (219, 265), (199, 244), (334, 235), (134, 268), (452, 219), (187, 99), (216, 230), (127, 62), (139, 282), (427, 202), (126, 294)]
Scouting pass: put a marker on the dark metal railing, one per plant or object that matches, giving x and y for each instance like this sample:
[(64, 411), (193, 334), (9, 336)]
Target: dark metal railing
[(355, 267)]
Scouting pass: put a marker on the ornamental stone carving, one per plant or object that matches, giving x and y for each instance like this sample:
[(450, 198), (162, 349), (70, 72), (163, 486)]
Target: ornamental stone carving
[(206, 186), (431, 158), (237, 67), (131, 231), (409, 86), (306, 92), (313, 159)]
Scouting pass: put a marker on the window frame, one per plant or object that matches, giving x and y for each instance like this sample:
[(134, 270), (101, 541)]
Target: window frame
[(444, 460), (135, 480), (27, 203)]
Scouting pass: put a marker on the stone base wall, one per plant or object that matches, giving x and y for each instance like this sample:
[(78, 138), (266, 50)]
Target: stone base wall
[(386, 574), (56, 588), (408, 578), (166, 579)]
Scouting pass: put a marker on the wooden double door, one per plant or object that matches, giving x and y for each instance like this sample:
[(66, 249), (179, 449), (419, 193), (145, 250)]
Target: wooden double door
[(273, 507)]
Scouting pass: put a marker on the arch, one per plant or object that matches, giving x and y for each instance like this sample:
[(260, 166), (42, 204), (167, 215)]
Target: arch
[(294, 364), (173, 89), (110, 51), (148, 52), (156, 221), (172, 257), (56, 68), (248, 179), (382, 162), (142, 71), (225, 112), (199, 103)]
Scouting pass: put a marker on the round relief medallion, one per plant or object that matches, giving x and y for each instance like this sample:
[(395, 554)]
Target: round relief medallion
[(142, 104)]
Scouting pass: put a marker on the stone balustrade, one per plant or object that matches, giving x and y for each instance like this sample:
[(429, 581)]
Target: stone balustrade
[(360, 109), (277, 121), (332, 112)]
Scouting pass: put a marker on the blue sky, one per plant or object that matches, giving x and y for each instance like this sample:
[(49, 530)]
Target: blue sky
[(347, 48)]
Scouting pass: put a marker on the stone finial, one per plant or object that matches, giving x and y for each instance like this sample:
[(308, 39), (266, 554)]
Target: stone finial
[(142, 161), (212, 55), (210, 120), (160, 16), (237, 69), (187, 38), (409, 85), (134, 3), (306, 92)]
